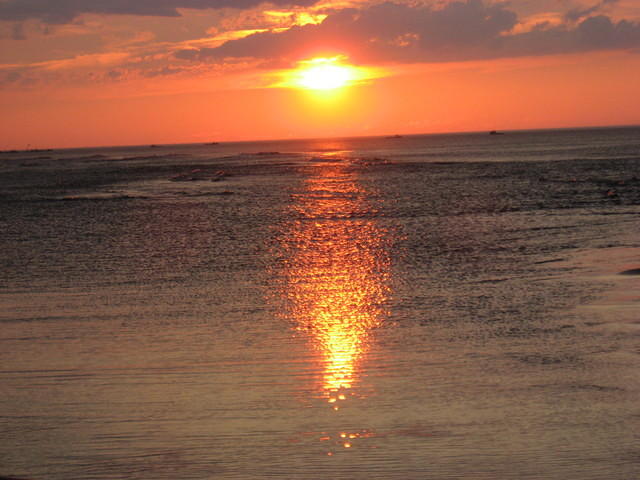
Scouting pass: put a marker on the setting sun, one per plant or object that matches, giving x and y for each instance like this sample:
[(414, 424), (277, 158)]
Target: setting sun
[(323, 74)]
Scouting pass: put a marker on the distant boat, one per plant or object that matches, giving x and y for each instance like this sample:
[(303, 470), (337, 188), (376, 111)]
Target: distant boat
[(394, 136), (213, 143), (495, 132), (29, 150)]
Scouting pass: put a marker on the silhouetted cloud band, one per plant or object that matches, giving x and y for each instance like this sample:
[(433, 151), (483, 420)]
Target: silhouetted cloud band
[(63, 11), (461, 30)]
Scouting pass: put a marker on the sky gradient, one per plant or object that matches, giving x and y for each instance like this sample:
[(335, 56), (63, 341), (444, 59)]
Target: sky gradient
[(115, 72)]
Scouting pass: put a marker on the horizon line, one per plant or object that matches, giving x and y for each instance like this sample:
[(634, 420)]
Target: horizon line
[(301, 139)]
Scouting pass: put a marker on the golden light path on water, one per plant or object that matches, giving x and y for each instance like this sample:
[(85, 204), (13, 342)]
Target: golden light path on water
[(337, 277)]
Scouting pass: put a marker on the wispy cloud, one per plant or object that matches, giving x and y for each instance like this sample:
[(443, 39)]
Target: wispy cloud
[(576, 14), (455, 31), (368, 32), (63, 11)]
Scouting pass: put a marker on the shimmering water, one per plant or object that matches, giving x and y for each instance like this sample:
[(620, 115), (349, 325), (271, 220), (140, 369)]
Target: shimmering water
[(385, 308)]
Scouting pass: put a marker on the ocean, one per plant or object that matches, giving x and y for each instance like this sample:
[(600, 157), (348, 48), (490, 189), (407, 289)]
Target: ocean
[(417, 307)]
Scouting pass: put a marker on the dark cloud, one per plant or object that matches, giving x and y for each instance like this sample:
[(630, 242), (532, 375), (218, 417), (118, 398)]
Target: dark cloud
[(591, 34), (164, 71), (16, 78), (576, 14), (460, 30), (115, 74), (64, 11), (17, 32)]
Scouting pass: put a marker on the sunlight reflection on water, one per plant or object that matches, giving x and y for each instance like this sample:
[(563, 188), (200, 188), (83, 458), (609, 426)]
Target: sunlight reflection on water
[(336, 280)]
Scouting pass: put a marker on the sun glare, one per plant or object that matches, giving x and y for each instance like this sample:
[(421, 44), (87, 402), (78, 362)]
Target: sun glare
[(325, 74)]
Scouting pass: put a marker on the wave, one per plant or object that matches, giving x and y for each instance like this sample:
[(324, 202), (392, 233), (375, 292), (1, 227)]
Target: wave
[(90, 197), (110, 159), (269, 153), (111, 197)]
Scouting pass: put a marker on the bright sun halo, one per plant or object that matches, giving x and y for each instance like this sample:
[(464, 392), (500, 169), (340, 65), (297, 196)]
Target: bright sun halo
[(325, 77), (324, 74)]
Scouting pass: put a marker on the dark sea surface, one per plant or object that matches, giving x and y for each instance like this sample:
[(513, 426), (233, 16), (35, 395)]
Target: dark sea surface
[(424, 307)]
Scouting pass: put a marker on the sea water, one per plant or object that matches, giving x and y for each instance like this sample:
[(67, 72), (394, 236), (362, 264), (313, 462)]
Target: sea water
[(422, 307)]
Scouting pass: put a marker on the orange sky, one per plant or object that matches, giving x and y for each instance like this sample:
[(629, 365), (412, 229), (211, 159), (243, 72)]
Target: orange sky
[(111, 73)]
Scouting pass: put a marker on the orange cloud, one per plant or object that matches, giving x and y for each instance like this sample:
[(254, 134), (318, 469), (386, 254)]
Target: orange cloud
[(64, 11), (406, 33)]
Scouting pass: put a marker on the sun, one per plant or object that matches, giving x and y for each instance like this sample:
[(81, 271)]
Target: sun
[(323, 74), (326, 77)]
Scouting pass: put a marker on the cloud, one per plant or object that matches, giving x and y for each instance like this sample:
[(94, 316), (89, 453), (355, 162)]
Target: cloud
[(17, 76), (64, 11), (17, 32), (368, 33), (455, 31), (591, 34), (576, 14)]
